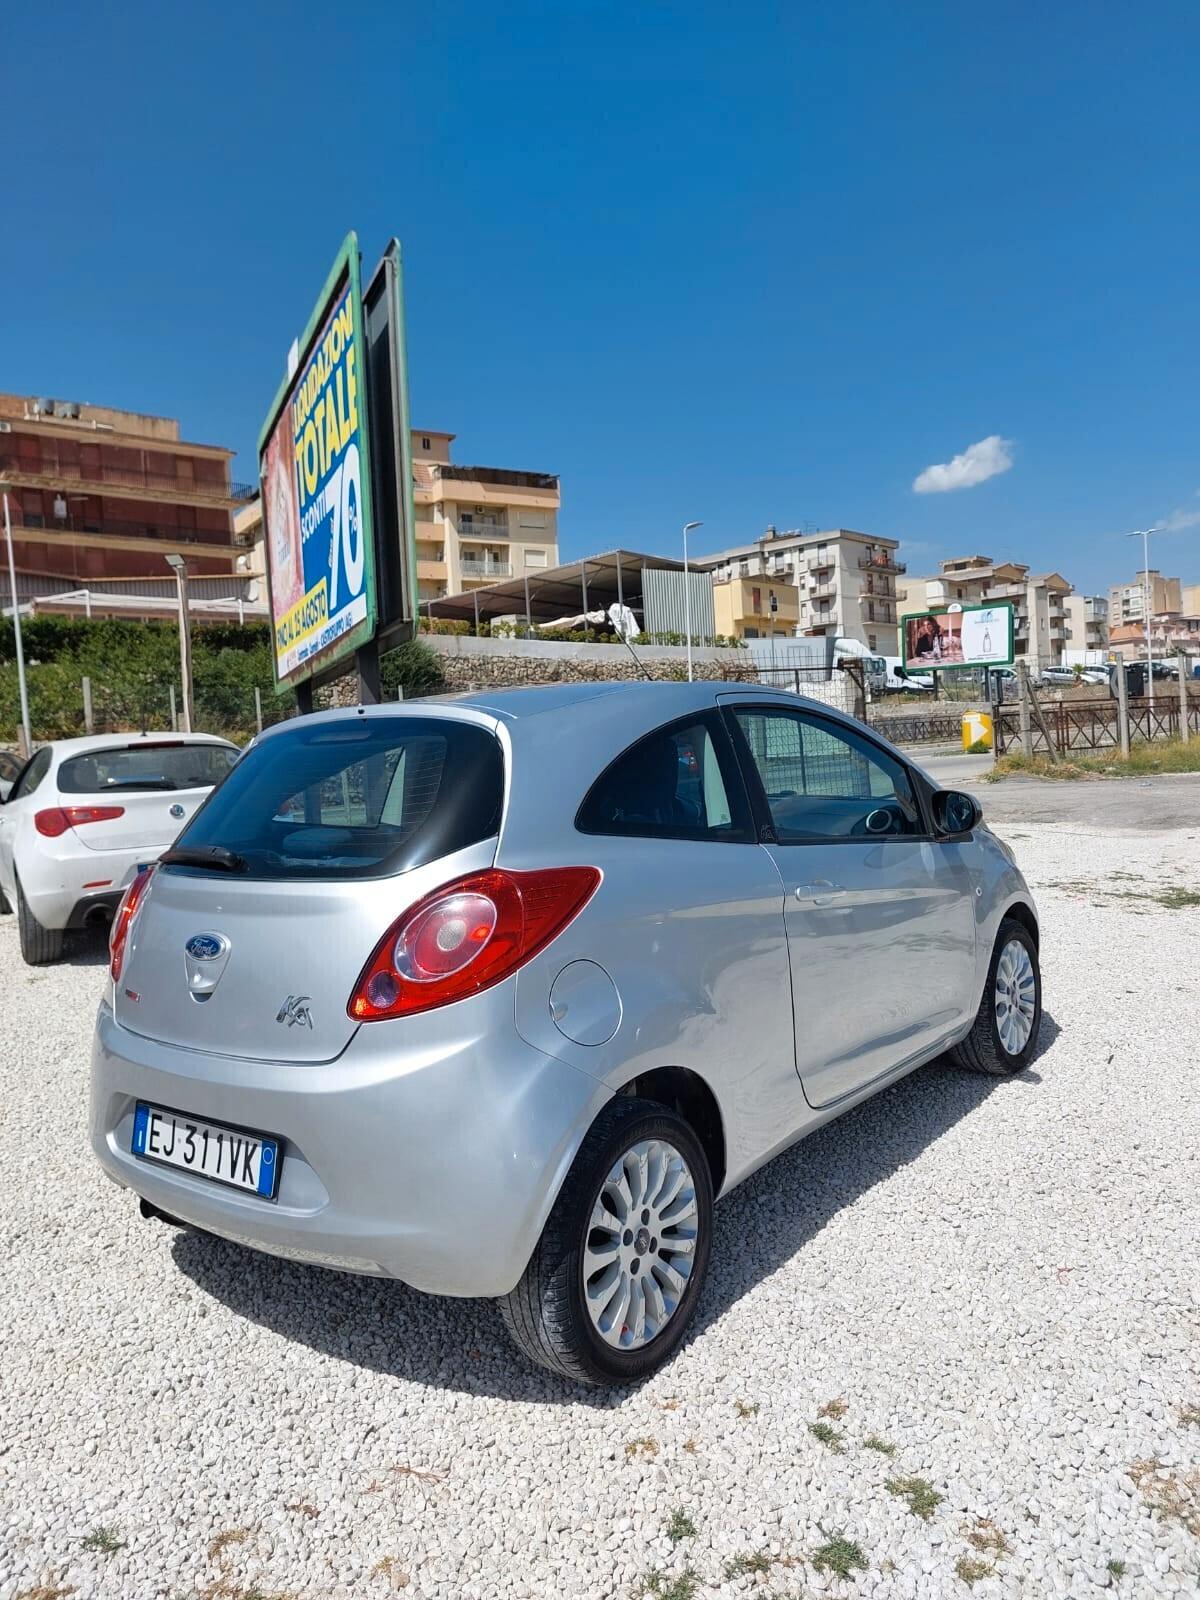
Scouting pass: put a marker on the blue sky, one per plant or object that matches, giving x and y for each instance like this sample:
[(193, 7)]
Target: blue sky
[(748, 264)]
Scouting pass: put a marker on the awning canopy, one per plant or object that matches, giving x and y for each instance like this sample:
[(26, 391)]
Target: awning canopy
[(589, 585)]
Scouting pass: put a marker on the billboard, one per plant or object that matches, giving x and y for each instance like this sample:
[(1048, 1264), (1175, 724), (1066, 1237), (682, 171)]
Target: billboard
[(314, 466), (971, 636)]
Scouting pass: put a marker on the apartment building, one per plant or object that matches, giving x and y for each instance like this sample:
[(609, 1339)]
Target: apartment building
[(1127, 601), (756, 608), (95, 492), (846, 581), (477, 525), (1038, 601), (1087, 624)]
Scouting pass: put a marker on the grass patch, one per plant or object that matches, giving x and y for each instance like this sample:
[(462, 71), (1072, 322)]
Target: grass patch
[(1190, 1415), (47, 1591), (1171, 899), (681, 1587), (836, 1409), (923, 1499), (221, 1542), (884, 1447), (970, 1569), (1172, 1498), (826, 1434), (839, 1555), (1144, 761), (105, 1540), (1115, 1568), (746, 1408), (753, 1561), (680, 1526), (987, 1537), (644, 1449)]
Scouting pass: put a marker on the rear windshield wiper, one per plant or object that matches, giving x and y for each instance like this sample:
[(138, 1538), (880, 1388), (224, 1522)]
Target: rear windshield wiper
[(206, 855)]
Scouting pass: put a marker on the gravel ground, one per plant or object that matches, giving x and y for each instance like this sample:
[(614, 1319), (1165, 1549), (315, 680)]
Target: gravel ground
[(997, 1283)]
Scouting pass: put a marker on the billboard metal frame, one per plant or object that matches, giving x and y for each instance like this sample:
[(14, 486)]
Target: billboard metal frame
[(959, 666), (346, 271)]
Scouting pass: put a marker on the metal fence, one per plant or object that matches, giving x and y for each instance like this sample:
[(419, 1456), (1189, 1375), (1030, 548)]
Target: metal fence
[(1093, 724)]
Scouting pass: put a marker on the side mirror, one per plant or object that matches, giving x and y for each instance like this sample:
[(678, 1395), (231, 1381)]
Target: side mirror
[(955, 813)]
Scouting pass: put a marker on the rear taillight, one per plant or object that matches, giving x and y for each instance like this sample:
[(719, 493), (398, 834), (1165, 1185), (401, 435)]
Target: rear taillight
[(55, 821), (466, 936), (131, 902)]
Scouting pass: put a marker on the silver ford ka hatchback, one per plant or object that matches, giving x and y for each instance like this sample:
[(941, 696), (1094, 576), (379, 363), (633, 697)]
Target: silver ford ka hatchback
[(496, 995)]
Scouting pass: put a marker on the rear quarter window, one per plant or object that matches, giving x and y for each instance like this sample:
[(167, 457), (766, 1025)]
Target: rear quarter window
[(354, 799), (146, 766)]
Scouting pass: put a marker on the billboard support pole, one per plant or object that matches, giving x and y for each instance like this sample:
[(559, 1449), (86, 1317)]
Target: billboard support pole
[(366, 659), (305, 699)]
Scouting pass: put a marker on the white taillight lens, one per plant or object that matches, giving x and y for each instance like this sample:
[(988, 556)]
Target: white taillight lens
[(444, 938)]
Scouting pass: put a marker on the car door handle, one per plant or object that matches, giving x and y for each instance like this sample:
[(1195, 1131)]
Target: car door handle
[(821, 892)]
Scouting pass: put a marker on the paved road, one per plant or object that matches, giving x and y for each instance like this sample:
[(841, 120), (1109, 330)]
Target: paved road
[(1139, 804)]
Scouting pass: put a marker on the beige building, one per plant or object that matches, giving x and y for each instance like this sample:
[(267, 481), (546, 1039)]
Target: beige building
[(477, 525), (1189, 597), (1038, 601), (1127, 601), (845, 581), (756, 608), (1087, 623), (473, 525)]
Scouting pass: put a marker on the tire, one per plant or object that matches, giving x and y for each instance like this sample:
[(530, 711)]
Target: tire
[(38, 945), (547, 1315), (985, 1049)]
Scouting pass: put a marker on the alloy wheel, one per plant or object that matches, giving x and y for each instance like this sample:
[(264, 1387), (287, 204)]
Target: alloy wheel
[(640, 1245), (1015, 997)]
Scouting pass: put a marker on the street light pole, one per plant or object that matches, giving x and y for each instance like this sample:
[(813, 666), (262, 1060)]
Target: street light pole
[(16, 616), (687, 594), (1144, 535), (179, 567)]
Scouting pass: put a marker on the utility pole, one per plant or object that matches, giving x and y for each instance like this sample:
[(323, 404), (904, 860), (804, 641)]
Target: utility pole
[(179, 567), (27, 735), (1182, 663), (687, 594), (1144, 535), (1122, 705)]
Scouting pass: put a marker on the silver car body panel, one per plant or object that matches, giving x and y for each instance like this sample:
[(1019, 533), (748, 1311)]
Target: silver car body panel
[(430, 1148)]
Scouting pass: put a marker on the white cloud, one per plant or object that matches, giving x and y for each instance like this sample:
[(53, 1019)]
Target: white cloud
[(977, 464), (1180, 518)]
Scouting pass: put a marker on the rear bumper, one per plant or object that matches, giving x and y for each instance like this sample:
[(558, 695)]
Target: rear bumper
[(430, 1151), (61, 879)]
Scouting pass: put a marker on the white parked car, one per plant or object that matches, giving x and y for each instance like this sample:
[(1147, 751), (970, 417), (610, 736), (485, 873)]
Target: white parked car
[(82, 817), (10, 767)]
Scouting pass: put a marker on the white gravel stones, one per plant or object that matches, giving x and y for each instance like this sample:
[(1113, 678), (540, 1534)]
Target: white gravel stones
[(1000, 1280)]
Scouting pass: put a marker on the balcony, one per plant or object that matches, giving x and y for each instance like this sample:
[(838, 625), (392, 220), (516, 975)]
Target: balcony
[(51, 474), (485, 571), (487, 532), (824, 591), (116, 533), (884, 562), (821, 563)]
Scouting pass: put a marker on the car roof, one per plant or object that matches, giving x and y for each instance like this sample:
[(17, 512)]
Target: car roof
[(65, 748)]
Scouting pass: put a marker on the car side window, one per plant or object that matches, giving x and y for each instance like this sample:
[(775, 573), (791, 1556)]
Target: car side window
[(679, 782), (32, 775), (823, 781)]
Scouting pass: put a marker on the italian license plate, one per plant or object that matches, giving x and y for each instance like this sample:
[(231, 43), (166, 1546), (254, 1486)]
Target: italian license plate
[(247, 1161)]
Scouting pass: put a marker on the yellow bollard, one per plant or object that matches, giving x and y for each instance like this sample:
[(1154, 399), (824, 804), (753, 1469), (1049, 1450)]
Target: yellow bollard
[(977, 729)]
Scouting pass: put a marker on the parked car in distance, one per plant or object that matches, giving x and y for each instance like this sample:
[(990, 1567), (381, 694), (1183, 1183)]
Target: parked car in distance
[(10, 771), (85, 814), (494, 995)]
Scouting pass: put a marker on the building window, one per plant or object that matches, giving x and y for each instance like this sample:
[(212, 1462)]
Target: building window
[(531, 519), (425, 445), (870, 611), (756, 601), (535, 558)]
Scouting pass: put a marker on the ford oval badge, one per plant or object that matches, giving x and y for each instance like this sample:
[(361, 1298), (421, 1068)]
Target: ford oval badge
[(205, 947)]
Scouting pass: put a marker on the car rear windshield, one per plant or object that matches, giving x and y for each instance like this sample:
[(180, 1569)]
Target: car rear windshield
[(352, 798), (146, 766)]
